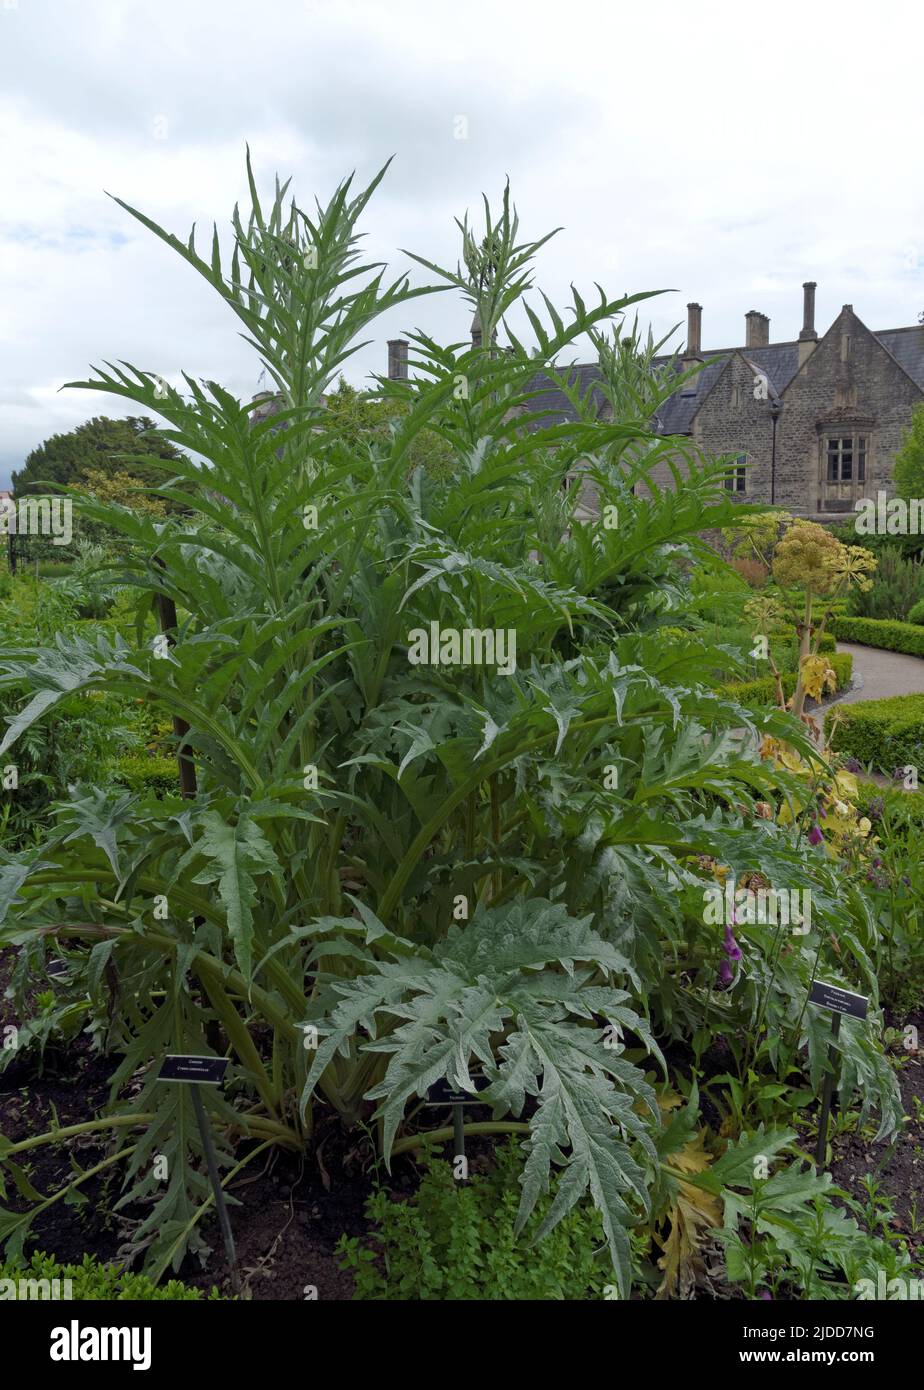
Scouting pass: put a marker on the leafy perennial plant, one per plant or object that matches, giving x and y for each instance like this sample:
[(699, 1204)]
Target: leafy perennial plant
[(380, 874)]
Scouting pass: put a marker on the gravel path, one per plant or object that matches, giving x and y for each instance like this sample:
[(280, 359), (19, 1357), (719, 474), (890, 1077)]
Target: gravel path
[(878, 674)]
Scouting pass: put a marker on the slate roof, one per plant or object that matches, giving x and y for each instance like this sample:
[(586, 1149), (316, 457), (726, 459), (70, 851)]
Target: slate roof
[(550, 398), (907, 347), (780, 361)]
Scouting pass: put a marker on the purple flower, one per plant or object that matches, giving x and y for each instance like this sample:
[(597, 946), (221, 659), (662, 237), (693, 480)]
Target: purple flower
[(815, 835), (726, 975), (876, 808), (766, 1294), (730, 945), (877, 863), (851, 765)]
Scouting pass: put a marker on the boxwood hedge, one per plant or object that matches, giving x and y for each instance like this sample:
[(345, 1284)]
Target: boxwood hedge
[(887, 733), (887, 633)]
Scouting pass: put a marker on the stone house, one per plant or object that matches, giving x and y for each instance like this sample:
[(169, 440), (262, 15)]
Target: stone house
[(813, 423)]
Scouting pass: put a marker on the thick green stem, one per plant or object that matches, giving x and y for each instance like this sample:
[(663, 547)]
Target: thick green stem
[(440, 1136), (56, 1136), (805, 647)]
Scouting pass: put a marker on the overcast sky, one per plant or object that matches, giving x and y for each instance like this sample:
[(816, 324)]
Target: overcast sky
[(726, 152)]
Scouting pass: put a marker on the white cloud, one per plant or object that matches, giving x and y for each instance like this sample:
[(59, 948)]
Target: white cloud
[(725, 152)]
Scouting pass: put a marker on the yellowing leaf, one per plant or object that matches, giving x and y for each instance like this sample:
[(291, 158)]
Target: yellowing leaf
[(692, 1214), (817, 676)]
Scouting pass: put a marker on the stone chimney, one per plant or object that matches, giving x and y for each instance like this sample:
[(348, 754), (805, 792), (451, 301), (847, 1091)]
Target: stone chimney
[(397, 359), (694, 331), (757, 330), (808, 310), (808, 338), (693, 352)]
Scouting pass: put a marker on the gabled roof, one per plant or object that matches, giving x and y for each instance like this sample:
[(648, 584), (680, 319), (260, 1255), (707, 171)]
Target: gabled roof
[(780, 361), (907, 347)]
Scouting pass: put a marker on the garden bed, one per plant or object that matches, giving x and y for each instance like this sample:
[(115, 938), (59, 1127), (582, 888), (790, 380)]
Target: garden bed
[(295, 1209), (406, 852)]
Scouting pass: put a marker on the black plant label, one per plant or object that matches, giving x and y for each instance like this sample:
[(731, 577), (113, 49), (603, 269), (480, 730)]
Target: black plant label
[(208, 1071), (839, 1001), (441, 1093)]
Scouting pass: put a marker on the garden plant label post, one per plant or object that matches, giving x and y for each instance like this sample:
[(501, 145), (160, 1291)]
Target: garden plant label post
[(441, 1093), (195, 1072), (839, 1001)]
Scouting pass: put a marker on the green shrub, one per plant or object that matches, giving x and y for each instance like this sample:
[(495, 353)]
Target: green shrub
[(718, 595), (145, 774), (916, 613), (53, 569), (898, 583), (885, 733), (755, 693), (887, 634), (453, 1242), (784, 649), (92, 1281)]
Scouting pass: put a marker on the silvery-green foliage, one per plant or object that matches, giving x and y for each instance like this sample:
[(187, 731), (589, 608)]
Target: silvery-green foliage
[(335, 783)]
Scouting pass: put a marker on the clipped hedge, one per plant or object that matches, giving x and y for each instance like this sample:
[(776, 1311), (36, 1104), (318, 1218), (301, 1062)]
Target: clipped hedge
[(90, 1281), (763, 691), (885, 633), (887, 733), (146, 774)]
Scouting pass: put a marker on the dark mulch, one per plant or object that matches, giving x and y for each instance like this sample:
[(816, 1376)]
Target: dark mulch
[(897, 1166), (295, 1208)]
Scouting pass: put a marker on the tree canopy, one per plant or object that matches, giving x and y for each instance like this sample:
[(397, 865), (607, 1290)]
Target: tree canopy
[(98, 446), (909, 461)]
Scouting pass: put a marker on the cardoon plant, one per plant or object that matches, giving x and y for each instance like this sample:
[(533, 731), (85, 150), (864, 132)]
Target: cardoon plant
[(384, 871)]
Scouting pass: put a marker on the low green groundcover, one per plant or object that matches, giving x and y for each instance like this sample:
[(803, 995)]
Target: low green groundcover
[(450, 1242), (44, 1278)]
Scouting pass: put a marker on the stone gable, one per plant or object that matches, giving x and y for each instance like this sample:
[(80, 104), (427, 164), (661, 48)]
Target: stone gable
[(843, 404)]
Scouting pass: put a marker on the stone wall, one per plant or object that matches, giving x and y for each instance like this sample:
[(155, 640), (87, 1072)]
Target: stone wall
[(849, 384)]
